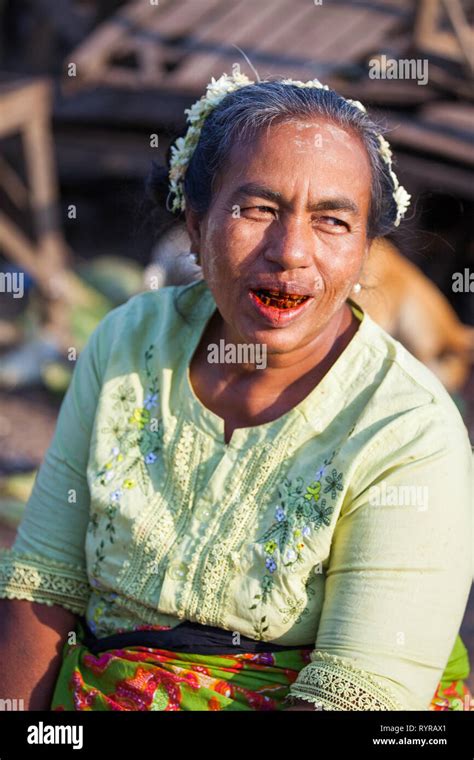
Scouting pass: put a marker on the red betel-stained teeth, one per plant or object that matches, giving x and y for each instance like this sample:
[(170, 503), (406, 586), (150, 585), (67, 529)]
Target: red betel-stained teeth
[(279, 300)]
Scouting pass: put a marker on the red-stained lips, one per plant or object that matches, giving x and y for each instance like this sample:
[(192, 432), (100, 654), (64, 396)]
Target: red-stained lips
[(279, 312)]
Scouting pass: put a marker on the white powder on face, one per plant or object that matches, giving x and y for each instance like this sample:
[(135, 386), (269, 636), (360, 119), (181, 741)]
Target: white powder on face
[(209, 257)]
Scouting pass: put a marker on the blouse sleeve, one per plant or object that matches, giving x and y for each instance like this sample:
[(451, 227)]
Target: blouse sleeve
[(399, 571), (47, 560)]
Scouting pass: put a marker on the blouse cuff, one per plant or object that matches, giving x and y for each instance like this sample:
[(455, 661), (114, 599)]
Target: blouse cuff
[(335, 683), (38, 579)]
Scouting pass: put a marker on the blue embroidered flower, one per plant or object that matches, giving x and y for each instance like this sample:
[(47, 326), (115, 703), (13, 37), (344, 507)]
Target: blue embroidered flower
[(150, 458), (280, 514), (115, 495), (115, 451), (306, 530), (150, 400), (270, 564)]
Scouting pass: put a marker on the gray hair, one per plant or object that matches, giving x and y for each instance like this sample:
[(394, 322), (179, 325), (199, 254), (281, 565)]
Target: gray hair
[(242, 113)]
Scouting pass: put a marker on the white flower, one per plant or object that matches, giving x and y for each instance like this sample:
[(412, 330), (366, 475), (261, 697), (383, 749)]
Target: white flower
[(402, 199), (357, 104), (385, 150), (311, 83)]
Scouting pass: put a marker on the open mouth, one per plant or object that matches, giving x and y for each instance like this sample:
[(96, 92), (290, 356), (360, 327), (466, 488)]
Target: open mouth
[(279, 300)]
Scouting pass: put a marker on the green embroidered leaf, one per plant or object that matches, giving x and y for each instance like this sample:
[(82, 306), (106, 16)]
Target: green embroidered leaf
[(127, 470), (142, 477), (284, 535), (273, 531)]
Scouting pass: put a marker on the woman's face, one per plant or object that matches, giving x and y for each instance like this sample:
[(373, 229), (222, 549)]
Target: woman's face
[(289, 214)]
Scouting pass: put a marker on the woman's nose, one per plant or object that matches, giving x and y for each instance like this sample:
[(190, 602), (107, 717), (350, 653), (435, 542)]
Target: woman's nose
[(292, 244)]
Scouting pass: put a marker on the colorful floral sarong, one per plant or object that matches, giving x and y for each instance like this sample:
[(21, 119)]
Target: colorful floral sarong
[(452, 693), (145, 678), (149, 678)]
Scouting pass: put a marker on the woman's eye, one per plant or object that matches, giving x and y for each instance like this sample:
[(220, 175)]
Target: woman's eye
[(334, 222), (260, 211)]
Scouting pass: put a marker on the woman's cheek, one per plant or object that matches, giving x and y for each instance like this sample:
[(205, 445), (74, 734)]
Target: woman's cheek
[(342, 254)]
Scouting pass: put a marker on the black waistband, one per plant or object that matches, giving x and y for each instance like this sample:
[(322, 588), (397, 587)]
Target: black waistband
[(185, 637)]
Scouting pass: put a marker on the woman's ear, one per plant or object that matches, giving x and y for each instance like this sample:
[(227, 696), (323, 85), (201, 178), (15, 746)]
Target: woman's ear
[(193, 226)]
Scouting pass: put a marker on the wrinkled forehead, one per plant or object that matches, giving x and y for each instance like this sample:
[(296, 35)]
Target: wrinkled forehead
[(315, 152)]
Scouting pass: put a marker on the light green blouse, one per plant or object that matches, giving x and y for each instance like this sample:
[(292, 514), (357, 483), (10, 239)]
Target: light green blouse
[(345, 523)]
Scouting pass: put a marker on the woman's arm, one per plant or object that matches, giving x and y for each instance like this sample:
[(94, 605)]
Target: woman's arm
[(43, 577), (31, 641), (399, 571)]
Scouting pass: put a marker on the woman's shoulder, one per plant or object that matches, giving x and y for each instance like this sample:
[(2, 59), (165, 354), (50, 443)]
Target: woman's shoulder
[(165, 304), (406, 387), (152, 315)]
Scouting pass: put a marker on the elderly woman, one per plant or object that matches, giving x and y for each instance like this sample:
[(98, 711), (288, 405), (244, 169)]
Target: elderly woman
[(291, 533)]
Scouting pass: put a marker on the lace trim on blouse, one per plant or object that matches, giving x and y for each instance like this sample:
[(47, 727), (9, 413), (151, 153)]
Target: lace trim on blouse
[(36, 579), (335, 683)]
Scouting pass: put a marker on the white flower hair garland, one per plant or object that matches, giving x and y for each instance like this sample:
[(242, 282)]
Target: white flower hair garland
[(216, 90)]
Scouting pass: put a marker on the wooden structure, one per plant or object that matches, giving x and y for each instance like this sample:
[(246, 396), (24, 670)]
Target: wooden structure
[(455, 43), (179, 46), (149, 61), (25, 108)]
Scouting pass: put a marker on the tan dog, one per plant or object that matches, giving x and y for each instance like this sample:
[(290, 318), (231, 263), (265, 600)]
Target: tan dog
[(395, 293), (409, 306)]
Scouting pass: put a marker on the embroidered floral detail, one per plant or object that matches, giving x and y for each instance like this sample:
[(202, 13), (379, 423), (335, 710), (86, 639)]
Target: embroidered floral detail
[(336, 683), (140, 417), (103, 608), (334, 483), (93, 523), (267, 586), (99, 558), (38, 579), (115, 428), (301, 511), (125, 396), (297, 608), (137, 438), (322, 514), (110, 527)]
